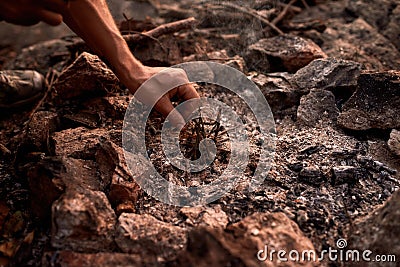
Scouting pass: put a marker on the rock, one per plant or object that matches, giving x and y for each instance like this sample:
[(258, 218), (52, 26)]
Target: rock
[(109, 107), (40, 127), (380, 159), (346, 174), (124, 191), (311, 175), (117, 106), (80, 143), (213, 217), (56, 175), (89, 118), (328, 74), (359, 41), (110, 165), (86, 76), (83, 222), (125, 207), (384, 15), (296, 166), (317, 108), (82, 175), (236, 62), (148, 237), (282, 53), (394, 142), (95, 145), (279, 93), (122, 188), (222, 57), (392, 31), (113, 106), (374, 12), (240, 243), (375, 104), (205, 248), (67, 258), (154, 53), (43, 177), (309, 150), (379, 232), (350, 35), (42, 56)]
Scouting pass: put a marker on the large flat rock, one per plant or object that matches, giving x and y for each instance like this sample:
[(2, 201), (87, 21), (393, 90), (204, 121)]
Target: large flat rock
[(148, 237), (328, 73), (50, 177), (282, 53), (278, 91), (241, 242), (375, 104)]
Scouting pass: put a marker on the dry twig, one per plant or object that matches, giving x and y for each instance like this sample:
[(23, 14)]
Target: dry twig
[(164, 29), (50, 78), (305, 4), (293, 8), (153, 34), (281, 15)]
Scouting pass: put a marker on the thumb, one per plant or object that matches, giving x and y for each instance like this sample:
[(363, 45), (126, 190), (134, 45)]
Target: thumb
[(165, 107), (50, 17)]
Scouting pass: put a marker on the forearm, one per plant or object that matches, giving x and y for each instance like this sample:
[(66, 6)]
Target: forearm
[(92, 21)]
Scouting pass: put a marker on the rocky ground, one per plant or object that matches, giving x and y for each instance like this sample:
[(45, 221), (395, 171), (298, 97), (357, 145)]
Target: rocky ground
[(330, 71)]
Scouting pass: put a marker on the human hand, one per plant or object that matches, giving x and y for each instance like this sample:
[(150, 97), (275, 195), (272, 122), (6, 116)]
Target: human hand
[(155, 89), (92, 21), (30, 12)]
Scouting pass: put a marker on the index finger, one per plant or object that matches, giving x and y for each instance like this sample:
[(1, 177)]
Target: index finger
[(165, 107), (188, 92)]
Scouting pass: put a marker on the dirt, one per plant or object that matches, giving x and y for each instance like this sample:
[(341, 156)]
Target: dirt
[(67, 196)]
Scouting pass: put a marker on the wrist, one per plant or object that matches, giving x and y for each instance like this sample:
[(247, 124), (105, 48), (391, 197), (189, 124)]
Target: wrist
[(132, 74)]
